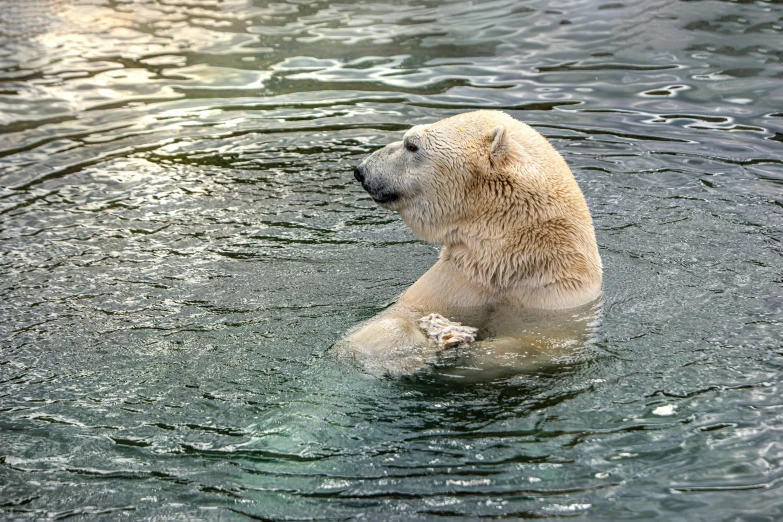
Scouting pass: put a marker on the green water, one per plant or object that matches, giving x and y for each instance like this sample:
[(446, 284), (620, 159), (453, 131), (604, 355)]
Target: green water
[(181, 240)]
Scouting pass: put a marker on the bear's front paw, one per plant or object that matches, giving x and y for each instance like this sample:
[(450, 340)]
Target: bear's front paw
[(447, 334)]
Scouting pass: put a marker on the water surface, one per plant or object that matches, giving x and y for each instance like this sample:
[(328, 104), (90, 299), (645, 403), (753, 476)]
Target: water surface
[(181, 240)]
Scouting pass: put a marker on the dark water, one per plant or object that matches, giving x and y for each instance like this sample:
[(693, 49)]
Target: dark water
[(181, 241)]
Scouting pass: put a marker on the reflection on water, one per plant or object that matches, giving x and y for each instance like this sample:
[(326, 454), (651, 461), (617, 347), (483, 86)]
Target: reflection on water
[(181, 241)]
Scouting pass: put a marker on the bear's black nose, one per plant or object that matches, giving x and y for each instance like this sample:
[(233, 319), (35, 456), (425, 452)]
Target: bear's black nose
[(358, 174)]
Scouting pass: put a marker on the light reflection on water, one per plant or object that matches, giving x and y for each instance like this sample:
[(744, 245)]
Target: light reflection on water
[(181, 241)]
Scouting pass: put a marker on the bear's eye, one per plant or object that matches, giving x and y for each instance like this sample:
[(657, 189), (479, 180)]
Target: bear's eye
[(411, 147)]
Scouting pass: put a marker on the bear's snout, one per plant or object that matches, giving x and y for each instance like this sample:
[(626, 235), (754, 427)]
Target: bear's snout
[(373, 174)]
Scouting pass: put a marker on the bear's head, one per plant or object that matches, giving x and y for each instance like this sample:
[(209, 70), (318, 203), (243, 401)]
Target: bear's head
[(443, 176)]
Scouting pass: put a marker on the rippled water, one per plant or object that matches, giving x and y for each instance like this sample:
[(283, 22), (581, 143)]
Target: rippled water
[(181, 241)]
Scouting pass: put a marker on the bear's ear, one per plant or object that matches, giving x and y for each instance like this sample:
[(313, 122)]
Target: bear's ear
[(498, 137)]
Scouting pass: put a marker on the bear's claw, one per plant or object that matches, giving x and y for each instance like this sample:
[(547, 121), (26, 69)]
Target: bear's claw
[(447, 334)]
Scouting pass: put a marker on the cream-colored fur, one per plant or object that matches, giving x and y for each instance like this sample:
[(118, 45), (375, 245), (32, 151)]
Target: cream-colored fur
[(516, 233)]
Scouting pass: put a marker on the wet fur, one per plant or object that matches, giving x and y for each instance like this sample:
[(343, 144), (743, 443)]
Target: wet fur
[(514, 225)]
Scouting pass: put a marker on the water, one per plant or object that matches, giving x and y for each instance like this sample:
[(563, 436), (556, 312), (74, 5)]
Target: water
[(181, 240)]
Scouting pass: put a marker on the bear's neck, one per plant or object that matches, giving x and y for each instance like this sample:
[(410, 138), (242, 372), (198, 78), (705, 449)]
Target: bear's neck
[(529, 247)]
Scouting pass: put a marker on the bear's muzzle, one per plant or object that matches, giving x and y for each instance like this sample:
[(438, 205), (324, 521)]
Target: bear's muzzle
[(379, 194)]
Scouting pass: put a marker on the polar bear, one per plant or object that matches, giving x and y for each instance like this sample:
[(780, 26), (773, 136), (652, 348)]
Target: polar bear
[(517, 239)]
